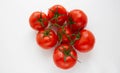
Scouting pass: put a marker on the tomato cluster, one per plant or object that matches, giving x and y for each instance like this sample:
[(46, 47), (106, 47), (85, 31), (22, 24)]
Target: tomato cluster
[(64, 29)]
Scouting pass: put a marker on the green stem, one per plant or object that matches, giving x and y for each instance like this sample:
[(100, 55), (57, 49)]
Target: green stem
[(75, 58), (56, 14), (41, 20), (46, 32)]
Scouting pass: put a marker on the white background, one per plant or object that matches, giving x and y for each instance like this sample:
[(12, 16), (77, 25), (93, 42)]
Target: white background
[(19, 52)]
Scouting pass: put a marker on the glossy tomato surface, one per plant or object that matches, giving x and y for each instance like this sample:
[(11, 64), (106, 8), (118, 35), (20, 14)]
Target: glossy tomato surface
[(64, 56), (38, 20), (46, 38), (86, 41), (57, 14), (77, 20)]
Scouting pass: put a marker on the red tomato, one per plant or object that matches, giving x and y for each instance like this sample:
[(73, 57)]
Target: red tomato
[(64, 34), (57, 14), (64, 56), (38, 20), (86, 41), (46, 38), (77, 20)]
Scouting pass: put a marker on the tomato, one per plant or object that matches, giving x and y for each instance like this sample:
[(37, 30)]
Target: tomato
[(77, 20), (57, 14), (64, 34), (64, 56), (46, 38), (38, 20), (86, 41)]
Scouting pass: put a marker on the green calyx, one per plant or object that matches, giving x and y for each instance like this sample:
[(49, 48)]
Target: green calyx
[(41, 20), (66, 52), (77, 36), (70, 21), (46, 32), (56, 14)]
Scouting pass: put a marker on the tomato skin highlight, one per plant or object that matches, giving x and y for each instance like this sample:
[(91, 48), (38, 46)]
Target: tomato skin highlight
[(35, 22), (86, 41), (58, 57), (77, 20), (59, 13), (46, 42)]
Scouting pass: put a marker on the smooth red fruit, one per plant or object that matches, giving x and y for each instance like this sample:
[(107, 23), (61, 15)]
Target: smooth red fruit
[(77, 20), (64, 56), (46, 38), (57, 14), (86, 41), (38, 20)]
